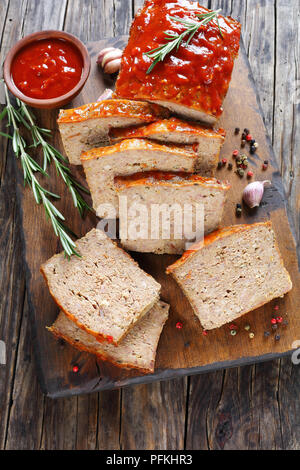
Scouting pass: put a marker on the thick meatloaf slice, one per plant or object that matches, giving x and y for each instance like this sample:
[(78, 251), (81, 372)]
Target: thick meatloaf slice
[(86, 127), (193, 79), (104, 292), (207, 142), (154, 210), (136, 351), (101, 165), (237, 270)]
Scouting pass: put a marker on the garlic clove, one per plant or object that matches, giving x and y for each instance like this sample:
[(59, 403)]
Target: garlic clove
[(111, 55), (106, 95), (103, 52), (113, 66), (253, 193)]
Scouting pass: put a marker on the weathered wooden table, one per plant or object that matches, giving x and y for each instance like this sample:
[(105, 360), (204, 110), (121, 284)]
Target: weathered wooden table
[(255, 407)]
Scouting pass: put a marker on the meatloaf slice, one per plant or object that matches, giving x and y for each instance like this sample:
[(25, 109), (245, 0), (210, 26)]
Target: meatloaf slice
[(101, 165), (137, 350), (157, 204), (207, 142), (193, 79), (235, 271), (87, 127), (104, 291)]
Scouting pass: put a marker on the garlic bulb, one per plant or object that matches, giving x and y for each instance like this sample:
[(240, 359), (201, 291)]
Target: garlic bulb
[(106, 95), (253, 193), (110, 59)]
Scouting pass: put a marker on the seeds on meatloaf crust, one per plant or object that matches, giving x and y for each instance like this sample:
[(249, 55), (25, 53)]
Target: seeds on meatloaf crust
[(87, 127), (101, 165), (237, 270), (137, 350), (206, 142), (193, 79), (104, 292), (168, 197)]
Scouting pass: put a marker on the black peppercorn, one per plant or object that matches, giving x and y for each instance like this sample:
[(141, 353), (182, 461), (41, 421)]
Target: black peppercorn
[(252, 142), (246, 131), (266, 162), (277, 338), (220, 165), (267, 334), (237, 130), (252, 149), (230, 166)]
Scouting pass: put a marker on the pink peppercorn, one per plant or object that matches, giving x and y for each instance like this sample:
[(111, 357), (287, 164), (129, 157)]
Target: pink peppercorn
[(279, 319), (179, 325), (233, 327), (265, 167), (250, 174), (273, 321), (75, 369), (248, 137), (235, 153), (204, 333), (224, 161), (276, 307)]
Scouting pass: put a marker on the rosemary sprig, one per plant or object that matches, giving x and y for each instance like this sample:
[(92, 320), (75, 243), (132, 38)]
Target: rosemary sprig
[(30, 167), (175, 40), (50, 153)]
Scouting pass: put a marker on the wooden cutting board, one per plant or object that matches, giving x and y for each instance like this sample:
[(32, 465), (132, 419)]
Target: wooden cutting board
[(183, 351)]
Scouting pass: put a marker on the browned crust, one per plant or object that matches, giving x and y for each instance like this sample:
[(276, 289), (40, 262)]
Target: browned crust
[(136, 144), (212, 237), (167, 178), (103, 357), (114, 107)]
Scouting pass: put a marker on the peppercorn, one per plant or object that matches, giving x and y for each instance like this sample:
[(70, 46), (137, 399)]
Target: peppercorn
[(247, 327), (240, 172), (246, 131), (252, 149), (245, 165), (274, 327), (252, 142), (273, 321), (233, 332), (75, 369), (285, 323), (277, 338), (276, 307), (251, 335), (249, 138), (256, 145), (204, 332), (239, 210), (250, 174), (220, 165), (244, 135), (239, 161), (265, 167), (279, 319), (235, 153), (266, 162), (230, 166), (244, 158), (267, 334), (237, 130), (179, 325), (243, 143), (224, 161), (233, 327)]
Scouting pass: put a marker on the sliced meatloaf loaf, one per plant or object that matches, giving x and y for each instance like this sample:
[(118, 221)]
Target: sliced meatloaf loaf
[(104, 291), (101, 165), (137, 350), (87, 127), (193, 79), (207, 142), (235, 271), (168, 210)]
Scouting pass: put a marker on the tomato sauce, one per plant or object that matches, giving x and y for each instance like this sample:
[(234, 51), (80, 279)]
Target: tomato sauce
[(47, 68), (196, 75)]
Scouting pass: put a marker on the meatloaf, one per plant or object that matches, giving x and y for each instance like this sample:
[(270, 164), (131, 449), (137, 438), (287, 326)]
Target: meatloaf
[(160, 212), (206, 142), (235, 271), (103, 291), (87, 127), (101, 165), (137, 350), (193, 79)]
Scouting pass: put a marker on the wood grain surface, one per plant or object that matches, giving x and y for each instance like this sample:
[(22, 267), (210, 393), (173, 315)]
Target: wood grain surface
[(249, 407)]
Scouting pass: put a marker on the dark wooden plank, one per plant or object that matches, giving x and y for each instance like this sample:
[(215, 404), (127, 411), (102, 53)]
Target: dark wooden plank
[(153, 416)]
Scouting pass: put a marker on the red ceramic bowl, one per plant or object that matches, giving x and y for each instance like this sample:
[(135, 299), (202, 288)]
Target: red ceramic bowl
[(53, 102)]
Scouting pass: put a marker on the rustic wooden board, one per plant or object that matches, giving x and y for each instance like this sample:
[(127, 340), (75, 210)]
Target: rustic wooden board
[(181, 352)]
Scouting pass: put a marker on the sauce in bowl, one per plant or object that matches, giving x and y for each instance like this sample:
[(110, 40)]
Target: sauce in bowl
[(47, 68)]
